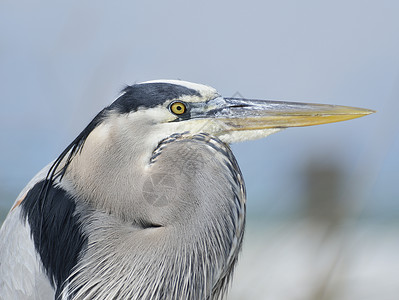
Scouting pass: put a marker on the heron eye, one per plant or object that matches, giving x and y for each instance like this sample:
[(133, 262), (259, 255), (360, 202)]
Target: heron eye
[(178, 108)]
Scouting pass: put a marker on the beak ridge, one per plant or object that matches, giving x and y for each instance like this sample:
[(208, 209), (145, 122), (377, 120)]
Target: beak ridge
[(245, 114)]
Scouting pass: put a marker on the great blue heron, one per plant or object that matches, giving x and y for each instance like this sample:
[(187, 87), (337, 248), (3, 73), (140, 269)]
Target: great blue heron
[(148, 202)]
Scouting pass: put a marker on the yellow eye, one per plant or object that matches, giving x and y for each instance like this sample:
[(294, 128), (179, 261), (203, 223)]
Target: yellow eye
[(178, 108)]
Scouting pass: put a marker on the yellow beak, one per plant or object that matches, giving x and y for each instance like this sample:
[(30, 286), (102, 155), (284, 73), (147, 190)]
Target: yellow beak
[(244, 114)]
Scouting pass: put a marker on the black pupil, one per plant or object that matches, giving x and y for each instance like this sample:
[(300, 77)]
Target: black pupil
[(179, 107)]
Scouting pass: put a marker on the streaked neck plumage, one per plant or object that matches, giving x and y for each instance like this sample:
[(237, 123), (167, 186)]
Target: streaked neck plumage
[(166, 233)]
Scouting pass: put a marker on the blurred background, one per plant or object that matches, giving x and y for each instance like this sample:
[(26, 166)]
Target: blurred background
[(323, 208)]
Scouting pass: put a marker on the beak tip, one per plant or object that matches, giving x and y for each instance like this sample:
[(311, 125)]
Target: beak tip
[(365, 112)]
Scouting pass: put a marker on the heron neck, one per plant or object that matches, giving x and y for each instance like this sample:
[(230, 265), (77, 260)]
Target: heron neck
[(189, 235)]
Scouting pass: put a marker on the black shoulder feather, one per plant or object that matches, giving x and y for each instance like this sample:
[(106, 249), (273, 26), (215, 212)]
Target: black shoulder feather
[(56, 232)]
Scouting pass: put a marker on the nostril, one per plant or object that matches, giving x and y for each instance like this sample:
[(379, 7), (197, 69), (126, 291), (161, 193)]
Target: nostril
[(239, 106)]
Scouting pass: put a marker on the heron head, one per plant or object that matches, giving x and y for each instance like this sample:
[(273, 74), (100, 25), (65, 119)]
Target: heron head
[(166, 107)]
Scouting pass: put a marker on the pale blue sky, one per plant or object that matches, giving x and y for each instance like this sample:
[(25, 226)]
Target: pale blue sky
[(61, 63)]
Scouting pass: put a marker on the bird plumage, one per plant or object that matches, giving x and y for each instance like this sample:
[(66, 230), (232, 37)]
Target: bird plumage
[(148, 202), (21, 272), (181, 236)]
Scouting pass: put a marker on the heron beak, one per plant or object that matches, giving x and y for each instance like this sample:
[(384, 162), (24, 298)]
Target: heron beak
[(244, 114)]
